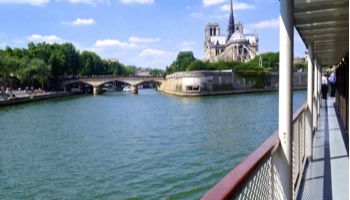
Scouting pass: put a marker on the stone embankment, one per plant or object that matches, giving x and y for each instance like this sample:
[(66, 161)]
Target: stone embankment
[(203, 83), (20, 97)]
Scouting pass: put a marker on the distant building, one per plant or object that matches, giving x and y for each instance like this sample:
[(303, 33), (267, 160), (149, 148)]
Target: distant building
[(299, 60), (142, 71), (112, 60), (233, 46)]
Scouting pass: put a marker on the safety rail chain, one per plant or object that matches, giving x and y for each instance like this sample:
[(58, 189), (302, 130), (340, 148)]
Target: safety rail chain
[(257, 177)]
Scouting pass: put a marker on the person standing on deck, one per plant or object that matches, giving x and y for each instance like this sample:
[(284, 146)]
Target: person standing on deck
[(332, 80), (324, 86)]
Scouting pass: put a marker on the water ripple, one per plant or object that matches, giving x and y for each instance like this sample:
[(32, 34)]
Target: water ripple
[(122, 146)]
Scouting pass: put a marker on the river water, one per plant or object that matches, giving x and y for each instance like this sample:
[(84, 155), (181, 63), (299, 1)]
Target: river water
[(124, 146)]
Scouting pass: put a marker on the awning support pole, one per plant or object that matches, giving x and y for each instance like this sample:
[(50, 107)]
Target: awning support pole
[(286, 96)]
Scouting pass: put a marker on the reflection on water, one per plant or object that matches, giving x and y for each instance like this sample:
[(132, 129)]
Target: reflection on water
[(123, 146)]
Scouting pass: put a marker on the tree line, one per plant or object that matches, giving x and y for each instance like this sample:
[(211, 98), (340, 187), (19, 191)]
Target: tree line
[(186, 61), (44, 63)]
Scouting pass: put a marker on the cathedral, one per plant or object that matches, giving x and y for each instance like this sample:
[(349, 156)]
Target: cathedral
[(233, 46)]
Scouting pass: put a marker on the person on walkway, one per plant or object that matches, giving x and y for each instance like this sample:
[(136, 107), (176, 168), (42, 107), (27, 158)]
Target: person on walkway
[(324, 86), (332, 80)]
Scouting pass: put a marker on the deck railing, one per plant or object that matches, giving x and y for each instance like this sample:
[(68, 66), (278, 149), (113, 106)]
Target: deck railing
[(257, 176)]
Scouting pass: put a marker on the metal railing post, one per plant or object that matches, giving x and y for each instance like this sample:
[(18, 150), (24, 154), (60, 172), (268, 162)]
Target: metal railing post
[(284, 164)]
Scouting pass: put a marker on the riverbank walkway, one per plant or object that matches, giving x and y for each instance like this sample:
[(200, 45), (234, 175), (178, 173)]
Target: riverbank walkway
[(21, 97), (327, 173)]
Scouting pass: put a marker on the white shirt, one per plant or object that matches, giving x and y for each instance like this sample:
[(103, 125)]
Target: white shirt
[(324, 80)]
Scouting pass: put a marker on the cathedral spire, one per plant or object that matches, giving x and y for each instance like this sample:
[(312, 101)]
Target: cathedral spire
[(231, 24)]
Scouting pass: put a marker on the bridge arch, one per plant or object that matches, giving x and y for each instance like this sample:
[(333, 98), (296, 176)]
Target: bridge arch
[(98, 82)]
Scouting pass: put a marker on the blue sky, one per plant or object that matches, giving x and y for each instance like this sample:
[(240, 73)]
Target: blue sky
[(145, 33)]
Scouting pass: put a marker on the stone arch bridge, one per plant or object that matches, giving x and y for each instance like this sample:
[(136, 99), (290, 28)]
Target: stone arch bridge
[(98, 82)]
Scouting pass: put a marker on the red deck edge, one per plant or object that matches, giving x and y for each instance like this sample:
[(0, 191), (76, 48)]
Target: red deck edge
[(224, 189)]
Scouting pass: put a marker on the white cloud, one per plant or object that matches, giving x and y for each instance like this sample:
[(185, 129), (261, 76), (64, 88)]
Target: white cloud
[(153, 52), (48, 39), (31, 2), (137, 1), (143, 40), (212, 2), (3, 44), (111, 43), (79, 21), (273, 23), (236, 6)]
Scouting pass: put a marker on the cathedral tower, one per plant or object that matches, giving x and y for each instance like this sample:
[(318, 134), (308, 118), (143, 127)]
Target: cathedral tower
[(212, 29), (234, 46), (231, 24)]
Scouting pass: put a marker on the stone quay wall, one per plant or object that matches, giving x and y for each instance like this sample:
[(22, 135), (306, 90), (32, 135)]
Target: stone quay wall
[(21, 99), (203, 83)]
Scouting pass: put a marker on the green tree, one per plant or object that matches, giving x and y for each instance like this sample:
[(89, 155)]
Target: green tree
[(41, 51), (57, 62), (129, 70), (183, 60), (270, 60), (91, 64), (8, 51), (302, 66), (200, 65), (39, 71), (114, 68), (72, 56), (156, 72), (8, 66), (19, 53)]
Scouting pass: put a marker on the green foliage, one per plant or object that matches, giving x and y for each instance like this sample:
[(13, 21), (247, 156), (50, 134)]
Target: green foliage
[(249, 70), (129, 70), (40, 70), (114, 68), (156, 72), (300, 66), (57, 62), (91, 64), (183, 60), (256, 76), (199, 65), (222, 65), (8, 65), (270, 60), (44, 62)]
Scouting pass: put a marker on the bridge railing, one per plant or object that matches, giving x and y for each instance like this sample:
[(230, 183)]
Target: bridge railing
[(257, 176)]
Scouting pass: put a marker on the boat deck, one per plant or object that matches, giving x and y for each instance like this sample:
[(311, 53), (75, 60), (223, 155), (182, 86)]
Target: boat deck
[(327, 173)]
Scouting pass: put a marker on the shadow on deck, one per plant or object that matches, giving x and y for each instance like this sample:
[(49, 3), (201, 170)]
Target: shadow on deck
[(326, 175)]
